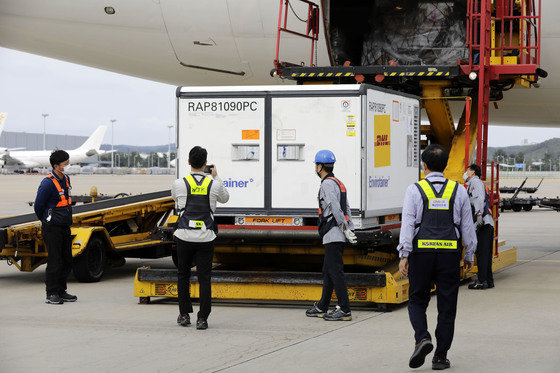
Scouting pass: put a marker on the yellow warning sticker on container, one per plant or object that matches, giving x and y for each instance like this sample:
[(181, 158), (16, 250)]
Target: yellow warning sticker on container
[(350, 125), (250, 134), (382, 144)]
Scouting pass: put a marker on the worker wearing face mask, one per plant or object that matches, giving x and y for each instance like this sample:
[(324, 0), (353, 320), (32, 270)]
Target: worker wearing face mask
[(53, 206), (484, 222), (335, 227)]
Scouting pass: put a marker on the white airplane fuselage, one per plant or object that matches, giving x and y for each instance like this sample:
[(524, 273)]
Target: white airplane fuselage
[(217, 42), (40, 158)]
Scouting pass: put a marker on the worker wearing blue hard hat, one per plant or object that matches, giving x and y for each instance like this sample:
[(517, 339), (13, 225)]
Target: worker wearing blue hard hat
[(335, 228)]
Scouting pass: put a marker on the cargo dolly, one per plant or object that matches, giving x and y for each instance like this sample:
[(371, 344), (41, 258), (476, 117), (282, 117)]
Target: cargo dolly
[(104, 232), (529, 190), (381, 289), (517, 204)]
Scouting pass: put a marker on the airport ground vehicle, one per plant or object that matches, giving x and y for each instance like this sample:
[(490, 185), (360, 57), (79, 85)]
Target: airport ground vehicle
[(103, 233)]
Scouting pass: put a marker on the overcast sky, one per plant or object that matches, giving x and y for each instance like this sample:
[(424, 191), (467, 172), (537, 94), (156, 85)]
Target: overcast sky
[(79, 98)]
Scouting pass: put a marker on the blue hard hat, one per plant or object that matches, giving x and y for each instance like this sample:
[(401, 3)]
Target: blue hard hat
[(325, 156)]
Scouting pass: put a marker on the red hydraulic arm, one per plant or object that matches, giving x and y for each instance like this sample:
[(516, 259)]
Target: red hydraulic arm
[(488, 57)]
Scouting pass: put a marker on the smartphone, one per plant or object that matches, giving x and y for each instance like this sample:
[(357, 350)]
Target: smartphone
[(208, 169)]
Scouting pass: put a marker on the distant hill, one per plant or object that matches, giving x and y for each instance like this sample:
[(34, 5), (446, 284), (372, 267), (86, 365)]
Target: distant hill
[(534, 152)]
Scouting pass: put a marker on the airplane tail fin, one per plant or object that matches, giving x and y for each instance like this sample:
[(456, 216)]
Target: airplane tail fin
[(93, 143), (2, 120)]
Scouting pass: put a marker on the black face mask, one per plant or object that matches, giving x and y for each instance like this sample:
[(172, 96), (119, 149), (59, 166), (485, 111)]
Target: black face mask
[(319, 172)]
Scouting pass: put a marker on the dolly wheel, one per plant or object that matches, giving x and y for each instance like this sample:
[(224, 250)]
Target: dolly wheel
[(527, 208), (89, 266), (144, 300)]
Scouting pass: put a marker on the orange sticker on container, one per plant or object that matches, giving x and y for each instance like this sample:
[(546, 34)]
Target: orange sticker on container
[(250, 134)]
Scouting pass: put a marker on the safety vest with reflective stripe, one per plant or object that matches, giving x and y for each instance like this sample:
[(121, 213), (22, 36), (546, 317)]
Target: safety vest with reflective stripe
[(64, 200), (437, 229), (326, 223), (197, 213)]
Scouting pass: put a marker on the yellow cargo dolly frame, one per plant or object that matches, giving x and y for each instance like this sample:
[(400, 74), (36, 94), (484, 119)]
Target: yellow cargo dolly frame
[(102, 233), (380, 289)]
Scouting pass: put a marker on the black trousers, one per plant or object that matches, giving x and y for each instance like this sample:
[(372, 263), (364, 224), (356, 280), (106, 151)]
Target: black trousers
[(333, 278), (485, 237), (443, 269), (59, 261), (201, 253)]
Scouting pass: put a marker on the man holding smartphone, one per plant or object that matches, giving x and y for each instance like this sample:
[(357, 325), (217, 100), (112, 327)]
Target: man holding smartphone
[(195, 197)]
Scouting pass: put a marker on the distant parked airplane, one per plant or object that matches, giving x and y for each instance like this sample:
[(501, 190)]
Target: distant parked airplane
[(4, 150), (40, 158)]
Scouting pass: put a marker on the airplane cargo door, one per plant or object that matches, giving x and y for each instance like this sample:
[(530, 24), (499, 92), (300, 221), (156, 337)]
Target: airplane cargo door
[(201, 36), (231, 129)]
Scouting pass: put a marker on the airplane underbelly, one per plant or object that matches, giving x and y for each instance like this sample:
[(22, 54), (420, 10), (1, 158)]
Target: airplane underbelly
[(201, 35)]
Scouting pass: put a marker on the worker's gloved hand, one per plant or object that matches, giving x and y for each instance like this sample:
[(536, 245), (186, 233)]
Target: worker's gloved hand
[(351, 237), (479, 221)]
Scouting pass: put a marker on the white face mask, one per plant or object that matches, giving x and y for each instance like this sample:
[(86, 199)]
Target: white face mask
[(466, 176)]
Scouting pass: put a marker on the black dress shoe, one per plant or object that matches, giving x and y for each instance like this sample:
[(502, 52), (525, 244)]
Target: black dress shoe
[(68, 297), (184, 320), (478, 285), (423, 348), (53, 299), (490, 285), (439, 363), (201, 324)]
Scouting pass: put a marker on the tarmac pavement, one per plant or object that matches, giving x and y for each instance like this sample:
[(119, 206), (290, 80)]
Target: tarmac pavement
[(512, 328)]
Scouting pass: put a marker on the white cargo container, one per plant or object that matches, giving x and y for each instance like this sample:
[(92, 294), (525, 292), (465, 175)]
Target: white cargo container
[(263, 140)]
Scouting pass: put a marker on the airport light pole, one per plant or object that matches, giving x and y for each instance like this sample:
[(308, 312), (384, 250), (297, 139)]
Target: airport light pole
[(112, 143), (45, 131), (169, 148)]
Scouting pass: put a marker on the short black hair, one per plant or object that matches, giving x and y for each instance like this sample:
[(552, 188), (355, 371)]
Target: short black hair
[(58, 156), (435, 157), (476, 169), (328, 167), (197, 157)]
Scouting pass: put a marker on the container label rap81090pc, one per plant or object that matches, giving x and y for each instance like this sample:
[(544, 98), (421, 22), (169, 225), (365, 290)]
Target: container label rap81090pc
[(226, 105)]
